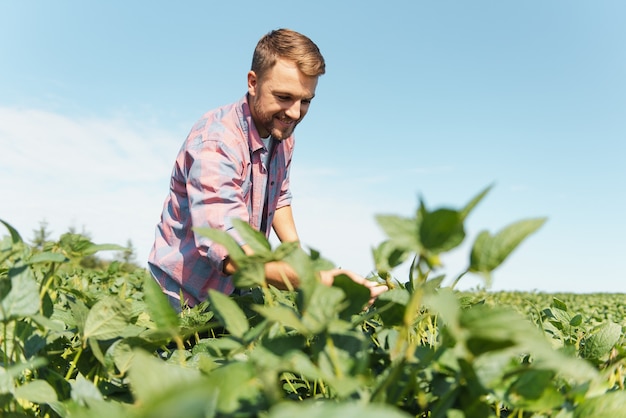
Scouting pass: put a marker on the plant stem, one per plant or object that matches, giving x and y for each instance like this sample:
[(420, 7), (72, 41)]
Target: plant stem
[(73, 363)]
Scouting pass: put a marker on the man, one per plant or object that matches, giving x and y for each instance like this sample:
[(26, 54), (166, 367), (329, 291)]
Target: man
[(235, 164)]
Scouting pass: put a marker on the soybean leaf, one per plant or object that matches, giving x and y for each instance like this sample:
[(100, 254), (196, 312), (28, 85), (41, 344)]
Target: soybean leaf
[(229, 313), (225, 239), (488, 251), (534, 390), (37, 391), (161, 312), (106, 319), (403, 232), (441, 230), (94, 248), (150, 377), (333, 409), (15, 236), (239, 388), (387, 256), (283, 315), (23, 297), (609, 405), (601, 341), (255, 239), (356, 295), (472, 203), (47, 257), (250, 273)]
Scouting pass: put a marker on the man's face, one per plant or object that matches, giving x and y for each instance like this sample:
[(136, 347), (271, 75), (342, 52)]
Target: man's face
[(280, 98)]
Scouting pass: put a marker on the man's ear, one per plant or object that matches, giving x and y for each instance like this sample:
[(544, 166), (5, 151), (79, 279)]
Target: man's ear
[(253, 83)]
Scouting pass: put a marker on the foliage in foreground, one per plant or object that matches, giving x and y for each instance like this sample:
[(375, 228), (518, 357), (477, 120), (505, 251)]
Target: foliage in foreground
[(76, 342)]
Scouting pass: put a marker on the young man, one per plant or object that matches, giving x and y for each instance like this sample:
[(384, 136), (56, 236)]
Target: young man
[(235, 164)]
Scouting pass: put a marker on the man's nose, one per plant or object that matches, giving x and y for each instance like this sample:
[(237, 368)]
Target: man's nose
[(294, 110)]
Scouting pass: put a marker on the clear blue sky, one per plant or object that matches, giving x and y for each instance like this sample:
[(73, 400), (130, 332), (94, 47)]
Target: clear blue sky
[(438, 99)]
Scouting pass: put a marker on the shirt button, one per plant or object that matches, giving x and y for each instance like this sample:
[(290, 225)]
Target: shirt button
[(271, 183)]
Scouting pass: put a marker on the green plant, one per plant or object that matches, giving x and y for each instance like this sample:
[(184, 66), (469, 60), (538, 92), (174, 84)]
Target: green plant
[(101, 342)]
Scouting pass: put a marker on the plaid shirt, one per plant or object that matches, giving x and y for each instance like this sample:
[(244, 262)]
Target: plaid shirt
[(218, 176)]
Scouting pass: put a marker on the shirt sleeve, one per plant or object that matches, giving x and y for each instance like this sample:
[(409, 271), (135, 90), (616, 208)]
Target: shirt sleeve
[(215, 191)]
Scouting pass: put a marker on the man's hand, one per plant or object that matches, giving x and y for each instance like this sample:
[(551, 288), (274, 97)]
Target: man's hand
[(328, 277)]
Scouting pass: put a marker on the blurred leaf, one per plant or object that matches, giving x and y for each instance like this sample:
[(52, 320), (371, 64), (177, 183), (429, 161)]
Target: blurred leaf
[(250, 273), (106, 319), (37, 391), (402, 232), (534, 390), (472, 203), (285, 249), (15, 236), (161, 312), (84, 390), (151, 377), (441, 230), (391, 306), (8, 375), (255, 239), (229, 313), (47, 257), (387, 256), (490, 251), (23, 297), (332, 409), (356, 295), (609, 405), (94, 248), (225, 239), (283, 315)]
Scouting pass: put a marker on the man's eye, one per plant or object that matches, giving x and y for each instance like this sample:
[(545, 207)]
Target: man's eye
[(283, 98)]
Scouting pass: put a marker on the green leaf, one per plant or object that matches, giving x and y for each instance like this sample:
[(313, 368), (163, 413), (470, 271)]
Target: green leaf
[(608, 405), (15, 236), (255, 239), (403, 232), (151, 377), (534, 390), (441, 230), (387, 256), (490, 251), (106, 319), (283, 315), (23, 298), (94, 248), (225, 239), (37, 391), (356, 295), (472, 203), (601, 341), (229, 313), (250, 273), (333, 409), (47, 257), (160, 310)]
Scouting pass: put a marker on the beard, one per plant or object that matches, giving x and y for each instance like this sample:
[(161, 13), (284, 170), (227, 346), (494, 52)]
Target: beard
[(272, 123)]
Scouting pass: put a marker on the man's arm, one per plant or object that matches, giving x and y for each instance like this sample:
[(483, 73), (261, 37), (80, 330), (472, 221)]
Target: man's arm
[(284, 225), (277, 273)]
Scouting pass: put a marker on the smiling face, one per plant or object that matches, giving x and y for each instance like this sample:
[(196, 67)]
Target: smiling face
[(280, 98)]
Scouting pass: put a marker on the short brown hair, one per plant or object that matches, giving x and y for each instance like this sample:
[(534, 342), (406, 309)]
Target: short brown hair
[(291, 45)]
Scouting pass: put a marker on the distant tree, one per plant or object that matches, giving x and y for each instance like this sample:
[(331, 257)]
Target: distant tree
[(41, 235), (129, 254)]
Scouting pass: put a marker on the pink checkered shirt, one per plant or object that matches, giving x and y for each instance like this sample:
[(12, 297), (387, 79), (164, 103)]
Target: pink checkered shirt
[(218, 176)]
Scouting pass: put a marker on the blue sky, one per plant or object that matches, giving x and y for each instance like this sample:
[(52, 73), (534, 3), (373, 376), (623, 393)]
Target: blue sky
[(438, 99)]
